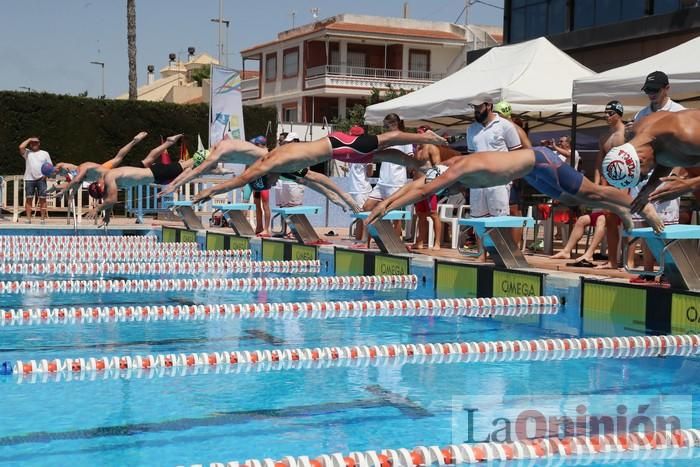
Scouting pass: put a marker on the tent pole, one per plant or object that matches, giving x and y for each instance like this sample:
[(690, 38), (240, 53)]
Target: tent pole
[(574, 111)]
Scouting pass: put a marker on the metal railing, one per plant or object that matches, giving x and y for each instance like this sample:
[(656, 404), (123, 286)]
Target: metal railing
[(368, 72), (139, 201)]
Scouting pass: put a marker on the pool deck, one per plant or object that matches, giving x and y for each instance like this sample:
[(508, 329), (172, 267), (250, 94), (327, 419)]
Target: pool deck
[(538, 261)]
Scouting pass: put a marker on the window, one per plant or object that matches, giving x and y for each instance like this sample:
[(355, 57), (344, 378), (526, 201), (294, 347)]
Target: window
[(289, 112), (666, 6), (419, 64), (633, 9), (557, 17), (584, 13), (290, 63), (536, 20), (607, 12), (517, 25), (271, 67)]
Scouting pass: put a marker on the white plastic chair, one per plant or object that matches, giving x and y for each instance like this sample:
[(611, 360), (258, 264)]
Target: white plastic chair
[(446, 213)]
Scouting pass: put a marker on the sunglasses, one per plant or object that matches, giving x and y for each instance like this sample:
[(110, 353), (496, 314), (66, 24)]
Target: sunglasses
[(610, 114)]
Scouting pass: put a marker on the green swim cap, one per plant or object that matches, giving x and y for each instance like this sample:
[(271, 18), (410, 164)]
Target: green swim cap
[(503, 108), (200, 156)]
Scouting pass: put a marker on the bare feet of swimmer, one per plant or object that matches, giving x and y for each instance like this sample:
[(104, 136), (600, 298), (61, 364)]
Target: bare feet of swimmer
[(652, 218), (174, 138)]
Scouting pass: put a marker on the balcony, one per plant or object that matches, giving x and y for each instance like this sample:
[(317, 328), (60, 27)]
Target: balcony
[(364, 77)]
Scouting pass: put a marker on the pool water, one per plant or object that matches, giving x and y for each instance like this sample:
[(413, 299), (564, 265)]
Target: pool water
[(184, 418)]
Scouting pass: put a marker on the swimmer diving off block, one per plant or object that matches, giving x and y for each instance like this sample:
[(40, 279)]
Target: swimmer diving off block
[(539, 166), (340, 146)]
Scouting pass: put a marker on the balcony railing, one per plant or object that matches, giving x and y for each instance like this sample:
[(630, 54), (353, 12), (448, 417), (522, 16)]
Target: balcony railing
[(375, 73)]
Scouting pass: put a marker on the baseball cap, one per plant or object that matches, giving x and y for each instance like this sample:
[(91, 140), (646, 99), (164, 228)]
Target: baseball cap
[(655, 81), (615, 106), (291, 136), (503, 108), (621, 166)]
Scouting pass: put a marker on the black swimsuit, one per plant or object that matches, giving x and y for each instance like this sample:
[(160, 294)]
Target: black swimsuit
[(165, 173)]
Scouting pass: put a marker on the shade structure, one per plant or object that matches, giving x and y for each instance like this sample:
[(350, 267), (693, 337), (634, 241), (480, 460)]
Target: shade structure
[(535, 77), (625, 83)]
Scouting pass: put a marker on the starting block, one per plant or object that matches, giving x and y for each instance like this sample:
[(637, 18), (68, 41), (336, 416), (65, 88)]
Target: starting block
[(236, 219), (183, 210), (497, 240), (295, 218), (676, 251), (383, 232)]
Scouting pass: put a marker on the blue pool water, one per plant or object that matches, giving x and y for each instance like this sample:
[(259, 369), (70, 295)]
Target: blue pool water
[(147, 419)]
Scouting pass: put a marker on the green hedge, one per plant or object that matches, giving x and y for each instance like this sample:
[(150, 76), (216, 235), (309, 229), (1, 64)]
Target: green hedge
[(79, 129)]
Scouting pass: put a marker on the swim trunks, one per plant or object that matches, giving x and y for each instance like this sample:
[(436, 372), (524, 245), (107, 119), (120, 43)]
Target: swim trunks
[(260, 184), (353, 149), (552, 176), (294, 175), (165, 173)]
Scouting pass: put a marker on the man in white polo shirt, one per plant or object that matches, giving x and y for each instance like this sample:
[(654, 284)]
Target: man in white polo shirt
[(656, 88), (490, 132)]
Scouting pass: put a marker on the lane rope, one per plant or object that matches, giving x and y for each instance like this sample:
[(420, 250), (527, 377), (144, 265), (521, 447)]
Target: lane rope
[(74, 239), (248, 284), (598, 447), (214, 266), (520, 350), (441, 307), (88, 255)]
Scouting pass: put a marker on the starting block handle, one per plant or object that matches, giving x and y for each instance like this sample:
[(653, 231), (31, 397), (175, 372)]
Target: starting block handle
[(641, 272)]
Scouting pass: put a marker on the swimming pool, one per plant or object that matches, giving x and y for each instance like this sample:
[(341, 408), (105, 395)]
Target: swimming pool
[(326, 400)]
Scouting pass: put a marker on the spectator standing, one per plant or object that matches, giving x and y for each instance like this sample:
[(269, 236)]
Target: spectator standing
[(391, 176), (360, 187), (490, 132), (34, 179)]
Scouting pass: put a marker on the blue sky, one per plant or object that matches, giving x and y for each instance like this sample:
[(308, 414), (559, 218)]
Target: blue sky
[(47, 45)]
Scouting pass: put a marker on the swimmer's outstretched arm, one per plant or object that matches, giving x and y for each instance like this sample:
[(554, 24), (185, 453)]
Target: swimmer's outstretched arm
[(418, 190), (327, 187), (79, 177), (255, 171), (116, 160), (395, 138), (395, 156)]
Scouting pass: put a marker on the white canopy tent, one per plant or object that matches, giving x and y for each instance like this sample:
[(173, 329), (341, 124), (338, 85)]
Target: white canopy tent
[(535, 77), (625, 83)]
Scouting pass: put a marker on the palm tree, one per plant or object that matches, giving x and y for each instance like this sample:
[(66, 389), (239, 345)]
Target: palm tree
[(131, 41)]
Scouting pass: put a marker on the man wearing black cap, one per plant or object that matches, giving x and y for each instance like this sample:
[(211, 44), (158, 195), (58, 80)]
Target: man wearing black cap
[(656, 88)]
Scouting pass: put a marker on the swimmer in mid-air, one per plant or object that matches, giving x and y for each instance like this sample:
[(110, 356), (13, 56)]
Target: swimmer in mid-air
[(249, 152), (539, 166), (340, 146)]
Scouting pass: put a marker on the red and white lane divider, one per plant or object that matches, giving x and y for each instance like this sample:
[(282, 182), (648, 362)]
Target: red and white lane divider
[(38, 249), (216, 266), (86, 255), (539, 349), (249, 284), (455, 454), (75, 239), (440, 307)]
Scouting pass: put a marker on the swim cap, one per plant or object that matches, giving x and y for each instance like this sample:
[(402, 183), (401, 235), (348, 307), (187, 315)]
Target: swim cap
[(47, 169), (199, 157), (503, 108), (615, 106), (259, 140), (621, 166), (434, 172), (95, 190)]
